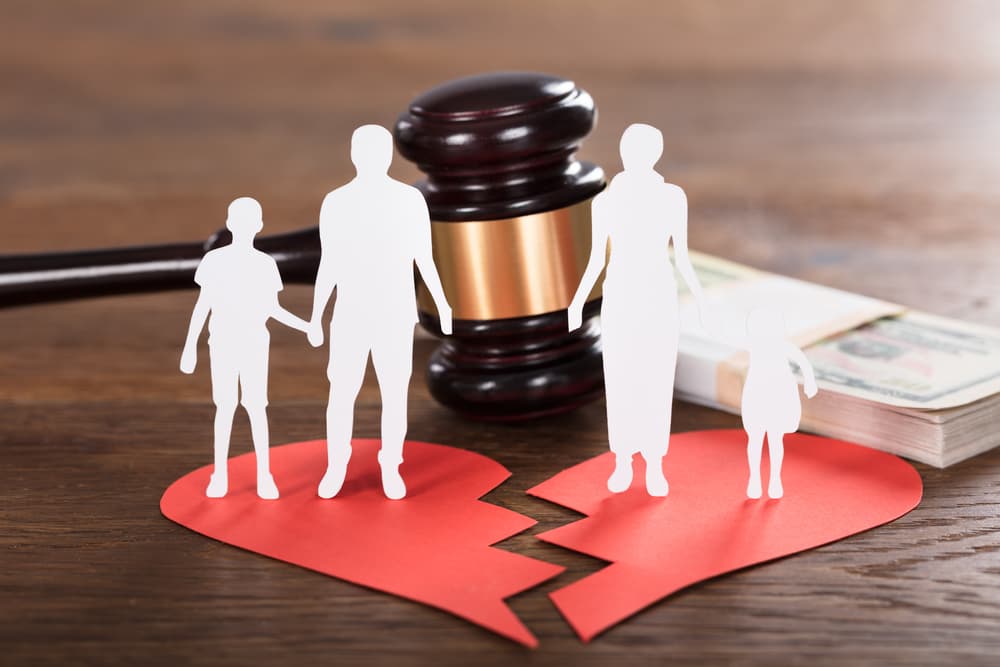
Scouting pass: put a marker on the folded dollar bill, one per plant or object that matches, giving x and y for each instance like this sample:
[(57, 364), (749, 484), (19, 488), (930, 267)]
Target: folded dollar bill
[(906, 382)]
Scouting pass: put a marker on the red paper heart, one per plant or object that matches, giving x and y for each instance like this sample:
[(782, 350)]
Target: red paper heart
[(706, 526), (432, 547)]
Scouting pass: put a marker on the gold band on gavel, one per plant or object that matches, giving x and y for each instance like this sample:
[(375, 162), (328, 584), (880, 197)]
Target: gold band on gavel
[(516, 267)]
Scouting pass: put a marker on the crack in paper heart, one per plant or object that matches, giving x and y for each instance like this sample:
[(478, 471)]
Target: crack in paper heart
[(434, 547), (706, 526)]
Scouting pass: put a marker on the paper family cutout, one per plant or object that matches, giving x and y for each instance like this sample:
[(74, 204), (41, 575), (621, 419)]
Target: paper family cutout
[(770, 402), (434, 548), (373, 231), (239, 294), (640, 215), (707, 527)]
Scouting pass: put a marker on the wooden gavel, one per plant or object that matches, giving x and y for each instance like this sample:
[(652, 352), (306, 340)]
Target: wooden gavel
[(510, 210)]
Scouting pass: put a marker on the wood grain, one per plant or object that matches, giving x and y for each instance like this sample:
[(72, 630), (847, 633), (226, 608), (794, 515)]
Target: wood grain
[(853, 144)]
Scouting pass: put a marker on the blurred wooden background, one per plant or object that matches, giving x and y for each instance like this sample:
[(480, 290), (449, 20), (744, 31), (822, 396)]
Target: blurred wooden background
[(855, 144)]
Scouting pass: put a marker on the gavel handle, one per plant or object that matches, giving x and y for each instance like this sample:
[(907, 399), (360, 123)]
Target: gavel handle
[(27, 279)]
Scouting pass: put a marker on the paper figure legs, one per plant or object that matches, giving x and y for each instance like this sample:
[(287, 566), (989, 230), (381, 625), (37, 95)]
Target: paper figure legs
[(239, 291), (640, 215), (372, 231), (770, 403)]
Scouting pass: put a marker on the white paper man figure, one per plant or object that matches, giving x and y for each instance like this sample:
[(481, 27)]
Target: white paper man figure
[(239, 289), (372, 230), (770, 402), (639, 214)]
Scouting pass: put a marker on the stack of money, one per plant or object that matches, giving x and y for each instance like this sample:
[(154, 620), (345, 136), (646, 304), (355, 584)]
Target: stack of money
[(902, 381)]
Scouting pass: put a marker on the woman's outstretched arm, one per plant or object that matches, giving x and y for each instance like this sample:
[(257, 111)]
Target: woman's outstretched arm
[(682, 260), (598, 253)]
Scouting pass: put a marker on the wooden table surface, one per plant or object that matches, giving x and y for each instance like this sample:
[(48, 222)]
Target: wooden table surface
[(855, 144)]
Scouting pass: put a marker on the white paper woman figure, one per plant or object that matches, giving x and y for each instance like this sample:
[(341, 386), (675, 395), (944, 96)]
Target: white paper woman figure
[(239, 289), (770, 403), (372, 231), (640, 215)]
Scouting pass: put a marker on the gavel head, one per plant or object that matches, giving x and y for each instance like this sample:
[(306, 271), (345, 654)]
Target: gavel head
[(510, 209)]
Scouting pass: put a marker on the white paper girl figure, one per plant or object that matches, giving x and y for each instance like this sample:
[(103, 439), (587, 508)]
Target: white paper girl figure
[(640, 215), (239, 289), (770, 403)]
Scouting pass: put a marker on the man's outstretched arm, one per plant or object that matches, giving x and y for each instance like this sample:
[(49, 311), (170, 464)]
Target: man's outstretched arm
[(189, 357), (325, 278), (424, 257)]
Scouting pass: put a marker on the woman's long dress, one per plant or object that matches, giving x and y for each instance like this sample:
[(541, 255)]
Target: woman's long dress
[(639, 314)]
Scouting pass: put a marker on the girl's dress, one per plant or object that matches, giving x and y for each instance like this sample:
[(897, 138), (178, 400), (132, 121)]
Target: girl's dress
[(770, 399)]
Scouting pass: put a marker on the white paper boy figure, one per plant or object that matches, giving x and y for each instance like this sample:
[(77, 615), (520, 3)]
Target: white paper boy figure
[(770, 403), (640, 215), (239, 288), (372, 230)]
